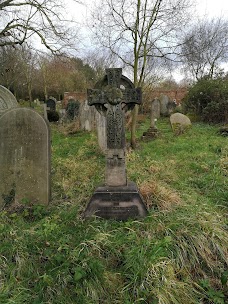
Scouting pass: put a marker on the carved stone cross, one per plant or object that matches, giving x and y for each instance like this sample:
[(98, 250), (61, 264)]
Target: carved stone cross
[(118, 198), (116, 95)]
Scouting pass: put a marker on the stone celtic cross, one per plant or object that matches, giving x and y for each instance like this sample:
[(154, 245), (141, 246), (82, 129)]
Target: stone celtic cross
[(116, 95), (118, 198)]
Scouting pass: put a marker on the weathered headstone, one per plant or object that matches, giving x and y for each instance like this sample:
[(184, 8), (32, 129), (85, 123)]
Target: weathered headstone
[(155, 108), (152, 132), (51, 104), (118, 198), (24, 157), (7, 100), (179, 123), (87, 117), (164, 100), (101, 131)]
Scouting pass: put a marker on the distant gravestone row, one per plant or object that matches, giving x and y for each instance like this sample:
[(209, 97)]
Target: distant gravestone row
[(165, 107), (24, 155)]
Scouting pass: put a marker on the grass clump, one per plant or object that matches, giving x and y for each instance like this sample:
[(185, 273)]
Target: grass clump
[(177, 254)]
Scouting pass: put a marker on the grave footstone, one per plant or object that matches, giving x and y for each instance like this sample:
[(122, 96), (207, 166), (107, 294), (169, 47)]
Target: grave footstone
[(118, 199), (7, 100), (24, 157)]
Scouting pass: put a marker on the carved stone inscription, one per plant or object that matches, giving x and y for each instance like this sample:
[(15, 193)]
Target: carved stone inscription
[(115, 212), (24, 157)]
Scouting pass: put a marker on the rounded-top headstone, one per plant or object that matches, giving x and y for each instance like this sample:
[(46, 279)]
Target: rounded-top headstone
[(7, 100), (164, 100), (24, 157), (179, 122)]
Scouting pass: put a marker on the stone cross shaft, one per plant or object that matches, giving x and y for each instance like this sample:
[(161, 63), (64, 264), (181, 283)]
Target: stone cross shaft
[(116, 95)]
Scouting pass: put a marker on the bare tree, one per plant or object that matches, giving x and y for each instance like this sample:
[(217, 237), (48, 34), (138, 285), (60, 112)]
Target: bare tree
[(23, 19), (205, 47), (136, 31)]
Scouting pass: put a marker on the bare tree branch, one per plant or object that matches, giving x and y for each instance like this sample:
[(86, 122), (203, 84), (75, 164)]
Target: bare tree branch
[(20, 20), (204, 47)]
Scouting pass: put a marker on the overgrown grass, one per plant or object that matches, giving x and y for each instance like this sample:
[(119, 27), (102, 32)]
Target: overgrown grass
[(178, 254)]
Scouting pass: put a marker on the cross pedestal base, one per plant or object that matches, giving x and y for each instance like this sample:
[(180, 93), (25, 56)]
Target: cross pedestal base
[(118, 203)]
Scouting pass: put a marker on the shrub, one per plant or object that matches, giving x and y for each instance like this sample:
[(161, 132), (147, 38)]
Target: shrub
[(208, 98)]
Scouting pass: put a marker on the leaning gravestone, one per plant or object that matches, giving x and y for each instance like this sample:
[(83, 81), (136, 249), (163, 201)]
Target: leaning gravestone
[(7, 100), (118, 198), (179, 123), (24, 158)]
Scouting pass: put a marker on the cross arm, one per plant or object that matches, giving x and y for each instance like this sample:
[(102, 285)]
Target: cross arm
[(96, 96)]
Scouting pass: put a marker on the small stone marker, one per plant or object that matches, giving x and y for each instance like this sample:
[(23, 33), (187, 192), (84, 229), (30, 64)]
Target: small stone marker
[(179, 123), (24, 157), (7, 100), (117, 199)]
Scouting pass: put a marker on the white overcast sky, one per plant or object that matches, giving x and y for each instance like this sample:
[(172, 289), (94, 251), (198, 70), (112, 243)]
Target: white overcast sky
[(203, 8), (207, 8)]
